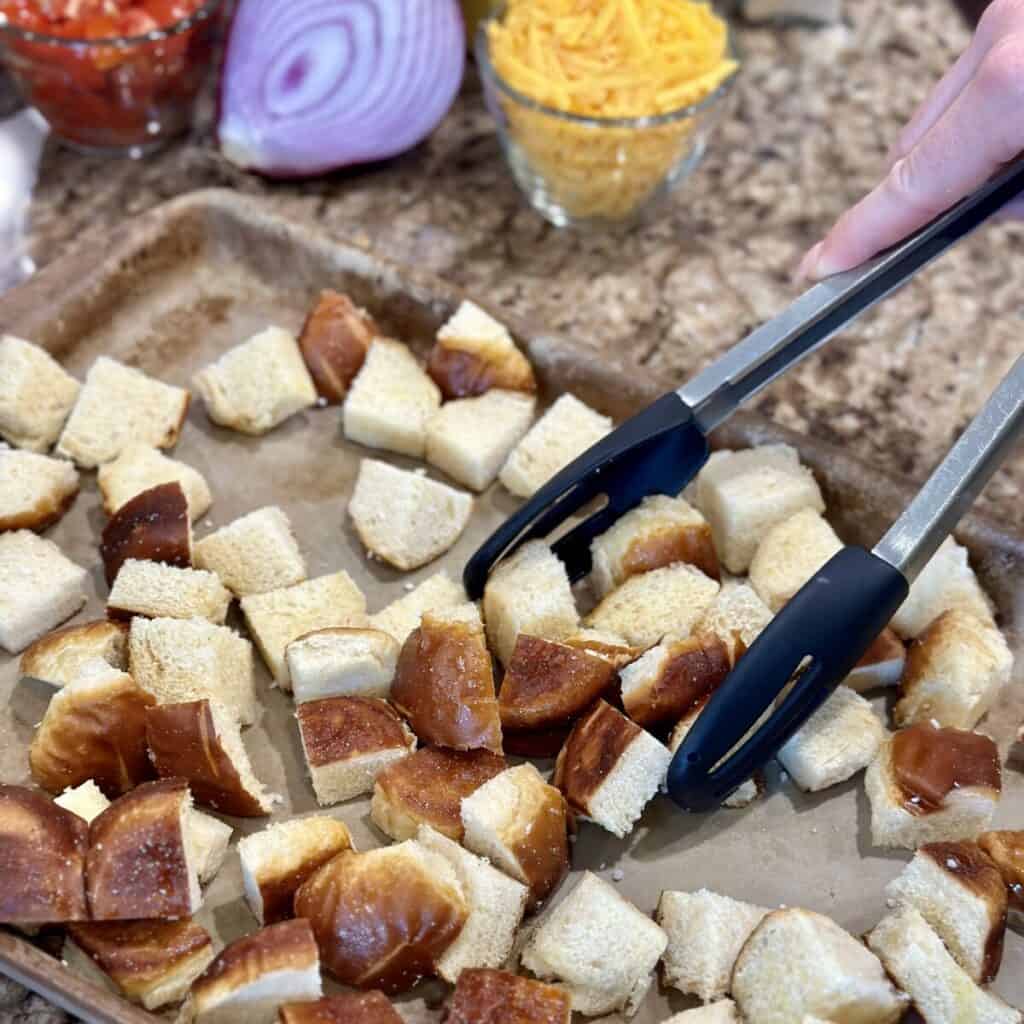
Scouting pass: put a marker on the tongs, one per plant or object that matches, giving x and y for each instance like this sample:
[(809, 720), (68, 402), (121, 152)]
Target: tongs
[(823, 631)]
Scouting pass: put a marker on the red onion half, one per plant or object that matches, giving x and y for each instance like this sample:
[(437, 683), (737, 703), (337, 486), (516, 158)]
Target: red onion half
[(311, 85)]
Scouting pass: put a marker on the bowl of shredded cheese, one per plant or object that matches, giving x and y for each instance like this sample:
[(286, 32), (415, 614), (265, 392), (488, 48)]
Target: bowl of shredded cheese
[(604, 106)]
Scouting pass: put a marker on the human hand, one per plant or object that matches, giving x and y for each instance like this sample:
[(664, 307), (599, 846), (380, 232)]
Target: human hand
[(970, 124)]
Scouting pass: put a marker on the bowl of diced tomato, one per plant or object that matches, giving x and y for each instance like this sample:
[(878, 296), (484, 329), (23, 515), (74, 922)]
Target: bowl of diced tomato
[(111, 76)]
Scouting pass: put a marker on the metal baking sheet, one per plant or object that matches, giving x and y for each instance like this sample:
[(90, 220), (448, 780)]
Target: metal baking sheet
[(183, 283)]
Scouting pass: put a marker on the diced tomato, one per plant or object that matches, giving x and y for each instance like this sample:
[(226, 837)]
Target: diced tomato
[(169, 12), (136, 22)]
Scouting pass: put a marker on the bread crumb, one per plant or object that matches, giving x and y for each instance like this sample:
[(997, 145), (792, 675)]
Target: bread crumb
[(409, 585), (618, 874), (321, 402)]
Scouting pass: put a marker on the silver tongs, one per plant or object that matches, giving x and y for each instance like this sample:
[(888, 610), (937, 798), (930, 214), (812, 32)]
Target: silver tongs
[(828, 625)]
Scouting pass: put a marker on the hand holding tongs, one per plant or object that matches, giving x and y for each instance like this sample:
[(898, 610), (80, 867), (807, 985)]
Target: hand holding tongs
[(826, 628)]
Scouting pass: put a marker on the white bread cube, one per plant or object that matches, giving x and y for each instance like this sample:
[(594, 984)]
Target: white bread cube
[(600, 946), (954, 672), (39, 588), (437, 593), (564, 432), (180, 660), (946, 582), (35, 490), (390, 401), (744, 494), (404, 517), (117, 406), (258, 384), (881, 665), (797, 963), (208, 838), (736, 616), (86, 800), (840, 739), (722, 1012), (662, 603), (278, 617), (1005, 848), (920, 964), (528, 593), (163, 591), (36, 395), (705, 932), (341, 662), (253, 554), (496, 904), (140, 467), (789, 554), (960, 892), (470, 438), (744, 794), (658, 532)]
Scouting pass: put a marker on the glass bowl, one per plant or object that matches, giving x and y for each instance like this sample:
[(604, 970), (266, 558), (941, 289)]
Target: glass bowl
[(597, 172), (126, 95)]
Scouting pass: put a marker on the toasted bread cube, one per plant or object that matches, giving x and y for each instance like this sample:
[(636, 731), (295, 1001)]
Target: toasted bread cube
[(179, 660), (341, 662), (118, 406), (140, 467), (276, 861), (390, 401), (35, 490), (58, 657), (334, 341), (959, 891), (36, 395), (722, 1012), (159, 591), (208, 838), (404, 517), (470, 438), (954, 672), (789, 554), (253, 554), (39, 588), (564, 432), (744, 494), (347, 741), (660, 531), (705, 932), (919, 963), (427, 788), (495, 902), (86, 800), (946, 582), (371, 1007), (797, 963), (402, 616), (840, 739), (258, 384), (1006, 849), (518, 822), (528, 593), (930, 785), (599, 946), (278, 617), (881, 665), (485, 996), (662, 603), (609, 769), (736, 616)]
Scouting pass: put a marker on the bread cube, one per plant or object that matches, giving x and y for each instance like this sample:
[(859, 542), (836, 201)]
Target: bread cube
[(58, 657), (662, 603), (371, 1007), (118, 406), (347, 742), (607, 646), (341, 662), (1006, 850), (402, 616), (518, 822), (86, 800), (744, 494), (705, 932), (528, 593), (840, 739), (789, 554), (564, 432), (277, 860), (258, 384), (139, 467), (180, 660), (278, 617), (470, 438), (881, 665), (334, 341), (36, 395), (39, 588), (405, 518), (35, 490), (954, 672), (485, 996), (797, 963), (495, 904), (660, 531), (390, 401), (253, 554), (208, 838), (599, 946), (959, 891), (160, 591), (736, 616), (919, 963), (722, 1012)]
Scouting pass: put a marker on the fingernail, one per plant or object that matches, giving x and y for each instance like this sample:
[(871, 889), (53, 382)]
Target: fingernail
[(808, 269)]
